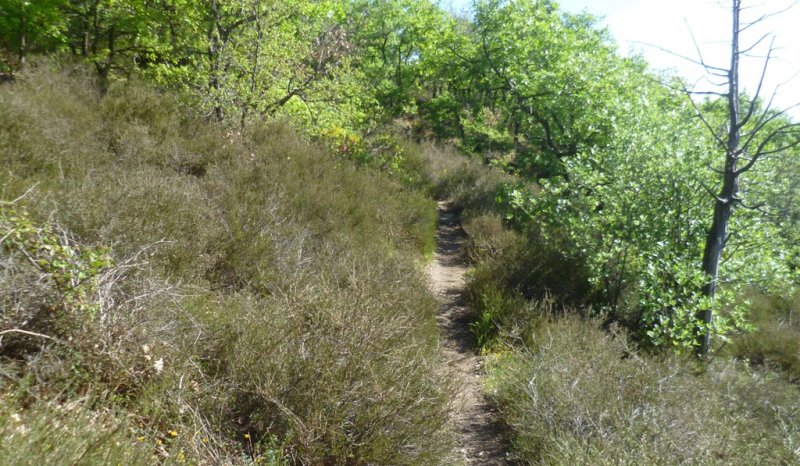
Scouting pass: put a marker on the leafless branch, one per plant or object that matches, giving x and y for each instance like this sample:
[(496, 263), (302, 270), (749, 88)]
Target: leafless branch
[(754, 100), (694, 42), (705, 122), (709, 190), (764, 120), (23, 196), (756, 44), (761, 152), (684, 57), (765, 17), (715, 170)]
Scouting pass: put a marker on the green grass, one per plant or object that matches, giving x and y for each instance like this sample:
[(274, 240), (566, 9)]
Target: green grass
[(265, 302)]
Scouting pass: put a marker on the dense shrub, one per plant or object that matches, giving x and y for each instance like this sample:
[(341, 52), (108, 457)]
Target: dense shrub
[(261, 301), (463, 181), (576, 394), (775, 342)]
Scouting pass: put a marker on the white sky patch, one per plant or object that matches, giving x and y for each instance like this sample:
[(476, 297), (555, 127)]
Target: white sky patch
[(647, 26)]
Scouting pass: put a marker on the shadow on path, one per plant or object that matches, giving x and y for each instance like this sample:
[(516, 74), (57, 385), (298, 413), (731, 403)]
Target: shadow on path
[(481, 440)]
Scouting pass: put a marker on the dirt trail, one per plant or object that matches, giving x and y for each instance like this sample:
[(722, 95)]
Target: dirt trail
[(480, 439)]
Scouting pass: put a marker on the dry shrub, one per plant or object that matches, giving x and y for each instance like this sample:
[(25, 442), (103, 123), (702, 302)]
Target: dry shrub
[(775, 342), (487, 237), (466, 182), (265, 306), (332, 364), (575, 394)]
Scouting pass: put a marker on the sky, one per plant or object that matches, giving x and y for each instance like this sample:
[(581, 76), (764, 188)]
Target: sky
[(649, 27)]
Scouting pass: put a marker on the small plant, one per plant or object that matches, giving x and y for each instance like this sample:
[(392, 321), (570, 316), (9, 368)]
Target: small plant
[(345, 143), (484, 327), (73, 269)]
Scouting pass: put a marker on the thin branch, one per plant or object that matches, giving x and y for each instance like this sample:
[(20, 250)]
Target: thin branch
[(715, 170), (765, 17), (753, 101), (684, 57), (709, 191), (29, 333), (782, 148), (757, 207), (696, 46), (756, 43), (23, 196), (760, 152), (764, 121), (705, 122), (715, 93)]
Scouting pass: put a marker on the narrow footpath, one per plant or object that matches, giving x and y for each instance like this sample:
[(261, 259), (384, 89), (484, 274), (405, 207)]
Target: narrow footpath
[(480, 439)]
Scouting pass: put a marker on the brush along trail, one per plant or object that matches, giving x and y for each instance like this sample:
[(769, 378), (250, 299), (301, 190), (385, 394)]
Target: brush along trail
[(480, 435)]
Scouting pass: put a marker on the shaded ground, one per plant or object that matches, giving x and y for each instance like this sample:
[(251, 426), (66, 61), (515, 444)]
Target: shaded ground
[(481, 440)]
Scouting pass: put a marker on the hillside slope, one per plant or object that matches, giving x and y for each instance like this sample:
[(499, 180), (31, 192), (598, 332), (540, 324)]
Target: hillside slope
[(176, 292)]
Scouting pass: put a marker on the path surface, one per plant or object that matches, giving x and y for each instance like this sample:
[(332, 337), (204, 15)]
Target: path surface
[(480, 439)]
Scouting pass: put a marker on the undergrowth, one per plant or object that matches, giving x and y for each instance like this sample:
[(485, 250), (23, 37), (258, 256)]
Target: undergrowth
[(174, 291), (573, 393)]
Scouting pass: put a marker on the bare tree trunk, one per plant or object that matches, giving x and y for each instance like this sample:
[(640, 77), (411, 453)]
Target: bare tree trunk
[(723, 204), (23, 39), (747, 147), (214, 56)]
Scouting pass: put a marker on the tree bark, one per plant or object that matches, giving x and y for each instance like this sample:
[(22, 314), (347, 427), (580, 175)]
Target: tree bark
[(214, 52), (23, 39), (724, 202)]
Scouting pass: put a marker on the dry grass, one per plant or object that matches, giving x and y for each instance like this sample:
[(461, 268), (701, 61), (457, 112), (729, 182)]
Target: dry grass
[(775, 342)]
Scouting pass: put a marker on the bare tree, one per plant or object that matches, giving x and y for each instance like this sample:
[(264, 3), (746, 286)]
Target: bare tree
[(750, 135)]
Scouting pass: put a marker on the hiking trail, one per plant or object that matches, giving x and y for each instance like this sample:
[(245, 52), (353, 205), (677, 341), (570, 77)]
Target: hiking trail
[(479, 431)]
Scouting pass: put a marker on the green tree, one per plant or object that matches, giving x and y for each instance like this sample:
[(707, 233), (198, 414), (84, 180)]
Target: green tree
[(552, 75), (397, 42), (30, 27)]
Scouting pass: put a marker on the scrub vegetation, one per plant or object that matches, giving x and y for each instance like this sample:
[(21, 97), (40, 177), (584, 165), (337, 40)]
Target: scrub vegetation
[(175, 289), (216, 215)]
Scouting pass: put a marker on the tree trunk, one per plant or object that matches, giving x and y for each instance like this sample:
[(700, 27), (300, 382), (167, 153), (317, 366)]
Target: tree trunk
[(723, 204), (214, 52), (715, 243), (23, 39)]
